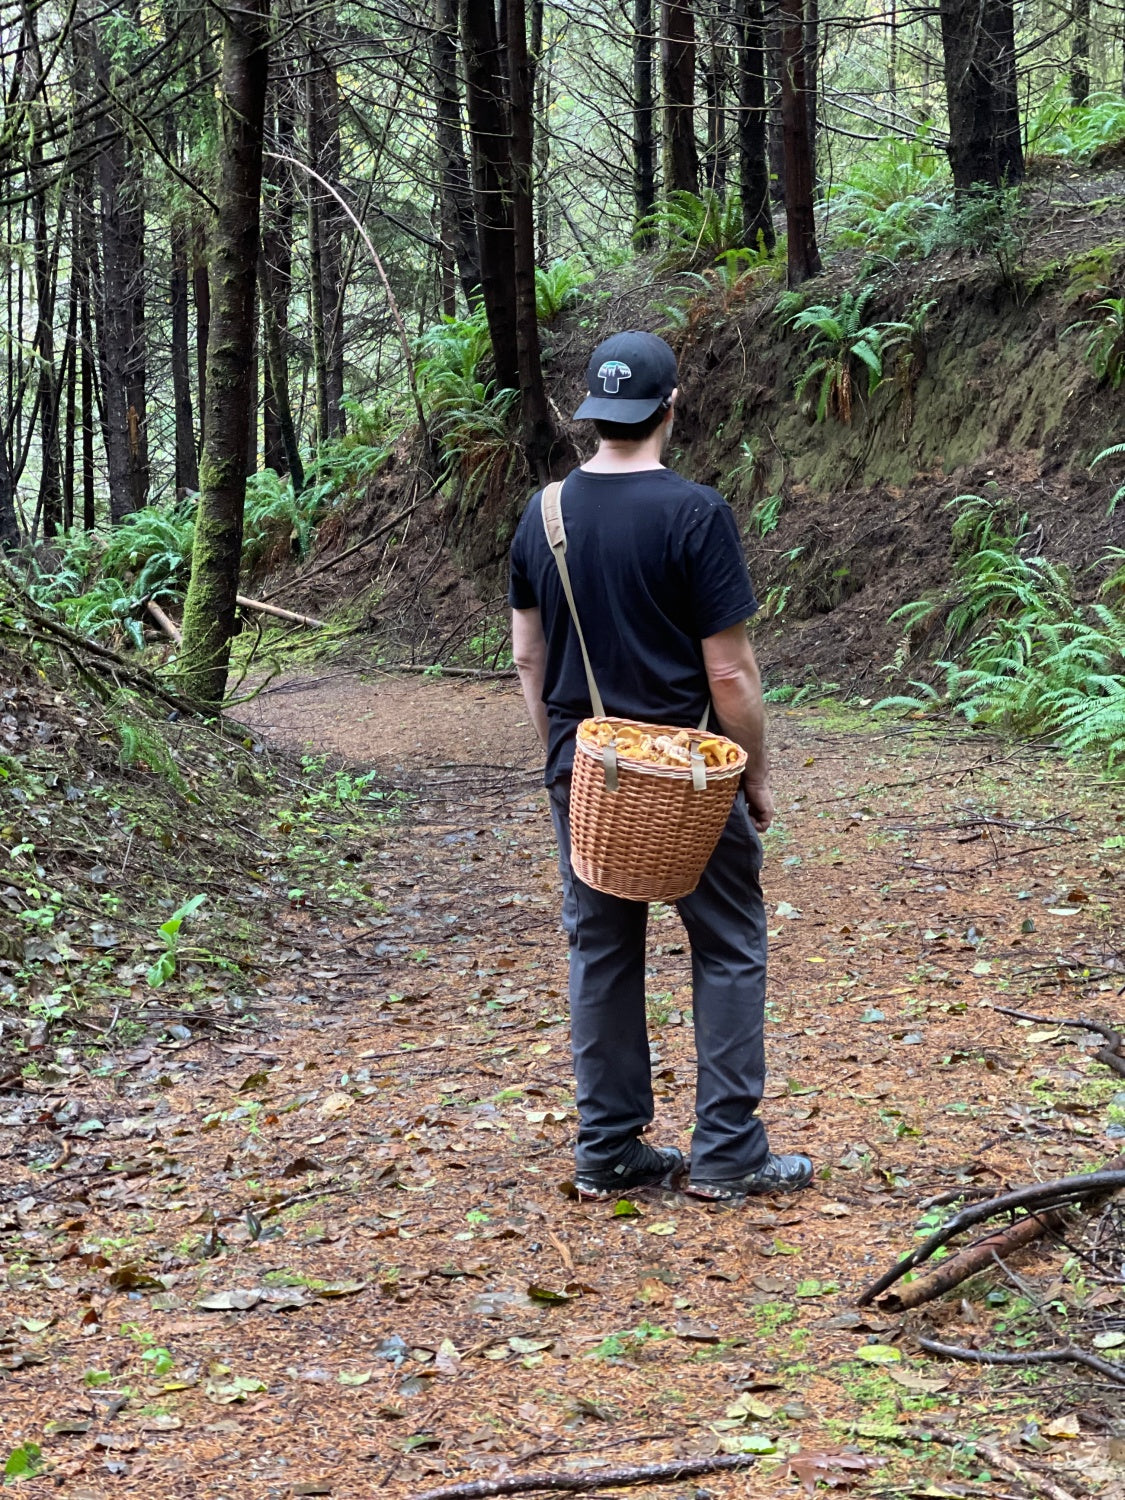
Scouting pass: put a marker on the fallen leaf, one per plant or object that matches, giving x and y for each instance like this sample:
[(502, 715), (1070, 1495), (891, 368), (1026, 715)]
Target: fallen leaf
[(1063, 1427), (1113, 1338), (664, 1226), (835, 1210), (340, 1288), (878, 1354), (354, 1377), (239, 1300), (334, 1104), (529, 1346), (695, 1328), (910, 1380)]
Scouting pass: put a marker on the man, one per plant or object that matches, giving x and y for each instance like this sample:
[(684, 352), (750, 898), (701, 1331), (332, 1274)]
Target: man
[(662, 592)]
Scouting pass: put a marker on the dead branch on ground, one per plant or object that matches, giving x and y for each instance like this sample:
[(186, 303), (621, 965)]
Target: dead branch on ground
[(1110, 1054), (1038, 1198), (995, 1457), (600, 1479), (959, 1268), (1065, 1354)]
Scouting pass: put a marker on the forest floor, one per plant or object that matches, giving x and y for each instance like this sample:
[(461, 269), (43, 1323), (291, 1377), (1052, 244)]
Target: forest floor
[(331, 1252)]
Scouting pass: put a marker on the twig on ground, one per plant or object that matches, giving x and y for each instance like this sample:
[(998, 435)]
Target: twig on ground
[(601, 1479), (437, 669), (995, 1457), (1110, 1054), (1065, 1354), (1039, 1196)]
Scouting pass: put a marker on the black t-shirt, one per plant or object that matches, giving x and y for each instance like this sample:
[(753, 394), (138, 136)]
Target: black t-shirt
[(656, 565)]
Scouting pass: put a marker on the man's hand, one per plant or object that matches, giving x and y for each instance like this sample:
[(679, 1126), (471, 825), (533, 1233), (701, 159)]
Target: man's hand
[(759, 800)]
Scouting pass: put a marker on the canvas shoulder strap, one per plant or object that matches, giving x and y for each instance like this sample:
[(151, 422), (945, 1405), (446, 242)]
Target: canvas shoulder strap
[(556, 540)]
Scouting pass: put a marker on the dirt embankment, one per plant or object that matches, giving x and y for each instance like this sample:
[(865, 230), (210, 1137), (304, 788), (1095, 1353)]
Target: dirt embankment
[(990, 389)]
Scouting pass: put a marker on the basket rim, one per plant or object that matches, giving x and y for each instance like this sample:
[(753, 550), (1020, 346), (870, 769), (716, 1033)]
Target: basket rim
[(671, 773)]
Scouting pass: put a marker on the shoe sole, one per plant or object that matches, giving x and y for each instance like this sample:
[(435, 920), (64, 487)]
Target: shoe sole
[(707, 1195)]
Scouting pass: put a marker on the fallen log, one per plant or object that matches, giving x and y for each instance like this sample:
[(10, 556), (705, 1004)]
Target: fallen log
[(166, 623), (1110, 1054), (590, 1479), (978, 1257), (276, 610), (1038, 1198)]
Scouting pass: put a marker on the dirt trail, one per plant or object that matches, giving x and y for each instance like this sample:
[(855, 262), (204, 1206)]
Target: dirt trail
[(371, 1190)]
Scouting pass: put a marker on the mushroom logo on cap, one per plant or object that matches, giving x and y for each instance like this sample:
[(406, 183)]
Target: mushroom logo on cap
[(611, 374)]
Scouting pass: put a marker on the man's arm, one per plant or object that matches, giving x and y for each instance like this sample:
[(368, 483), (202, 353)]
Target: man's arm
[(736, 692), (529, 651)]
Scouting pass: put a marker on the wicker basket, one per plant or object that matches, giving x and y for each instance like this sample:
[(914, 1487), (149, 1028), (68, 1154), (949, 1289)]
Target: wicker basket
[(649, 840)]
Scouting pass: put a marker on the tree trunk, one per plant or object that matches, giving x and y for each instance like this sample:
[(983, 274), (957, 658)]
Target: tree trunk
[(9, 522), (122, 342), (277, 371), (716, 79), (186, 459), (326, 225), (201, 296), (681, 159), (644, 142), (458, 225), (776, 127), (89, 416), (753, 164), (209, 610), (275, 284), (1080, 53), (540, 436), (978, 43), (812, 77), (70, 364), (49, 509), (800, 218), (489, 138)]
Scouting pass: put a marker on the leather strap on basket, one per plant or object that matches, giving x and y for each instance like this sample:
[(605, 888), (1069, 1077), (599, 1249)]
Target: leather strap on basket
[(551, 506)]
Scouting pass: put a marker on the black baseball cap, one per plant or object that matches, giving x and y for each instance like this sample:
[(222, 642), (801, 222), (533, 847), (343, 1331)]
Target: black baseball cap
[(629, 376)]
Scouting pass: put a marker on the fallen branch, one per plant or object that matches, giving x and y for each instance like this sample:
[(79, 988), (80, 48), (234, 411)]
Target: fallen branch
[(1110, 1054), (994, 1457), (278, 612), (1065, 1354), (600, 1479), (372, 536), (959, 1268), (167, 625), (1039, 1197), (437, 670)]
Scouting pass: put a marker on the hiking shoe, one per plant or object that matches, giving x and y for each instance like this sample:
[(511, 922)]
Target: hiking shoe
[(639, 1166), (778, 1174)]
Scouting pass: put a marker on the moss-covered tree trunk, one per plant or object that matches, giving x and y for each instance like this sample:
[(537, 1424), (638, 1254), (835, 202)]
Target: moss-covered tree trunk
[(209, 610)]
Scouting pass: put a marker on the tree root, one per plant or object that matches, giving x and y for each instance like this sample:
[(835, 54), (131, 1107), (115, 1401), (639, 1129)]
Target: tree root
[(1065, 1354), (598, 1479), (1038, 1198), (1110, 1054)]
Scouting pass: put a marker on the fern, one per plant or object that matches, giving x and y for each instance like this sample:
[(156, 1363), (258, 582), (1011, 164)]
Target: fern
[(697, 229), (1116, 451), (1104, 350), (558, 287), (840, 344)]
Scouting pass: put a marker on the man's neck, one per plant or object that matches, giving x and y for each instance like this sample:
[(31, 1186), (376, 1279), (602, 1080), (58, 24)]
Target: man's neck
[(627, 458)]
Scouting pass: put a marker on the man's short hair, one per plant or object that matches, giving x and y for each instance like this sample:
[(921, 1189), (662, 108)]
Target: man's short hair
[(631, 432)]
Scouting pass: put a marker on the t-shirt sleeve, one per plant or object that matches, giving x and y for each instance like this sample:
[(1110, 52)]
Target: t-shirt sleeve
[(521, 591), (721, 592)]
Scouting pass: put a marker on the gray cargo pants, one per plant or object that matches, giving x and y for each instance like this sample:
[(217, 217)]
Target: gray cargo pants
[(726, 925)]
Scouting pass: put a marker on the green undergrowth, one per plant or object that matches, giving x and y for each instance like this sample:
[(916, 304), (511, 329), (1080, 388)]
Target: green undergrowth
[(1016, 649), (145, 856)]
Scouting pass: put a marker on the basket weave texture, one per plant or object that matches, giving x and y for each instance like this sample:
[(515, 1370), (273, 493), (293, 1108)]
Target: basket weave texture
[(651, 839)]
